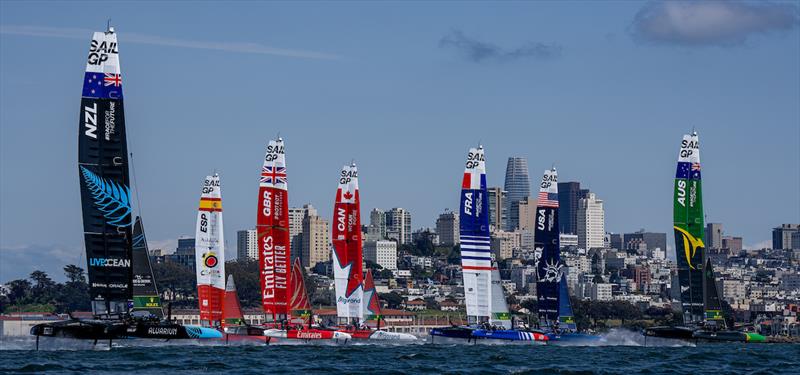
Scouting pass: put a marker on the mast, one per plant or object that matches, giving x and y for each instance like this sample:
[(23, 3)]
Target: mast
[(347, 250), (272, 225), (145, 290), (546, 247), (689, 229), (210, 253), (476, 260), (104, 180)]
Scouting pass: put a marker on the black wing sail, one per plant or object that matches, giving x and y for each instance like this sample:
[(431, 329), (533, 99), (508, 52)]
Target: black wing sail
[(145, 290), (713, 305), (549, 266), (103, 175)]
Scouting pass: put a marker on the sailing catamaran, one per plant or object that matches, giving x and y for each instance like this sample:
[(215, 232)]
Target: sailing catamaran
[(555, 310), (700, 304), (272, 224), (233, 323), (483, 321), (210, 254), (107, 212), (352, 305)]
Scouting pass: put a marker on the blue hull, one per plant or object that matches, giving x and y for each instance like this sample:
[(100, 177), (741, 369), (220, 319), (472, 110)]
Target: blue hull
[(505, 334), (453, 332), (206, 333)]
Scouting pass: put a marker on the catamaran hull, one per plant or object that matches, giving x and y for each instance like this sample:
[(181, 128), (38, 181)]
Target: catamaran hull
[(369, 334), (510, 335), (689, 334), (453, 332), (108, 330), (307, 334)]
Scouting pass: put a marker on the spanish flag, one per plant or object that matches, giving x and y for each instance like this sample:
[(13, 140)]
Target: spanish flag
[(211, 204)]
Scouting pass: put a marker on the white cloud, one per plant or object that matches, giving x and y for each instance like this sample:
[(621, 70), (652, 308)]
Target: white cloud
[(125, 37), (707, 23)]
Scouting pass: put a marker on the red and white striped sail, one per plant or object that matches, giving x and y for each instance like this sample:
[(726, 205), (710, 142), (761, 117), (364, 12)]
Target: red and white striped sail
[(299, 303), (210, 253), (272, 225), (347, 250)]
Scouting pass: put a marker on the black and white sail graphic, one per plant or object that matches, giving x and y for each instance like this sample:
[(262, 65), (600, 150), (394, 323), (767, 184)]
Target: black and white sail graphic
[(103, 175), (145, 290)]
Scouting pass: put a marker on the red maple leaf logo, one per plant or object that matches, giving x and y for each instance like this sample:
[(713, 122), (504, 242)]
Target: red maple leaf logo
[(347, 195)]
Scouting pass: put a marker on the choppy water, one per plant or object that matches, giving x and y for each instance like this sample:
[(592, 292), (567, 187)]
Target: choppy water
[(142, 356)]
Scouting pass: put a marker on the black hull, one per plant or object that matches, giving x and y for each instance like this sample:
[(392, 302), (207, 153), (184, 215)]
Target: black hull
[(680, 333), (695, 334), (244, 331), (453, 332), (115, 329)]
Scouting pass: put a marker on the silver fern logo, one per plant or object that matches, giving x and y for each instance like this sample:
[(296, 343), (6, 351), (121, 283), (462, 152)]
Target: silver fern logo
[(111, 199)]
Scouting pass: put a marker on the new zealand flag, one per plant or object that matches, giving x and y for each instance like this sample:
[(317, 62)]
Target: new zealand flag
[(102, 85)]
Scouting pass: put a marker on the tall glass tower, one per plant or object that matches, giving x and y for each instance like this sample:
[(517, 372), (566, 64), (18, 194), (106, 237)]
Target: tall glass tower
[(518, 187)]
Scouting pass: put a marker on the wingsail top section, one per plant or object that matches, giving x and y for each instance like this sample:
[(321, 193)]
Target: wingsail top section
[(476, 258), (210, 253), (546, 249), (104, 180), (272, 225), (689, 229), (347, 248)]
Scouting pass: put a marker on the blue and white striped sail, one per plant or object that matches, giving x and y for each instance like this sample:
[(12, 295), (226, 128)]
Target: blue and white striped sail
[(476, 255)]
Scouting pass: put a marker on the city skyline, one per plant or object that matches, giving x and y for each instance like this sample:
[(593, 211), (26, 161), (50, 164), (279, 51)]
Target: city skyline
[(613, 124)]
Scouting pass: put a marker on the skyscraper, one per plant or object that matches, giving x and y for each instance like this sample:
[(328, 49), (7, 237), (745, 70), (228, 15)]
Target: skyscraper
[(782, 236), (569, 193), (713, 236), (377, 221), (447, 228), (591, 222), (316, 239), (527, 213), (518, 187), (398, 225), (498, 210), (296, 216), (247, 244)]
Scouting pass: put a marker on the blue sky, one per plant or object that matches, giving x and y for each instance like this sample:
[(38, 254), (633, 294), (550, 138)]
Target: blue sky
[(602, 89)]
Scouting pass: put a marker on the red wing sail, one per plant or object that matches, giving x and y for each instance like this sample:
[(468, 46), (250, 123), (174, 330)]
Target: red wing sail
[(231, 309), (372, 305), (346, 238), (299, 301), (272, 225)]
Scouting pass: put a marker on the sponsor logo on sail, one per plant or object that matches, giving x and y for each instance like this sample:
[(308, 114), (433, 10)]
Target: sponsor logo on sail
[(690, 245), (109, 262)]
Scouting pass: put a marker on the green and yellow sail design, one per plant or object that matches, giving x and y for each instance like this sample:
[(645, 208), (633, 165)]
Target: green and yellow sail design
[(689, 229)]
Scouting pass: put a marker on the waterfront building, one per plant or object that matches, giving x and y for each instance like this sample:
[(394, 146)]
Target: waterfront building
[(296, 216), (518, 187), (184, 254), (247, 244), (382, 252), (591, 222)]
